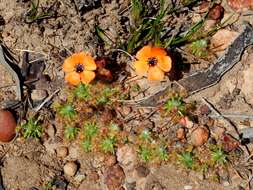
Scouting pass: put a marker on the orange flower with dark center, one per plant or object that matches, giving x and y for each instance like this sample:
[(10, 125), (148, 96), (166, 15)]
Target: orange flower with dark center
[(152, 61), (79, 67)]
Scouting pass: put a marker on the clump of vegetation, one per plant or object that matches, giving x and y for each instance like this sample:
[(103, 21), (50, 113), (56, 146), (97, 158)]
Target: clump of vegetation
[(34, 15), (108, 145), (175, 104), (82, 92), (67, 111), (219, 156), (145, 153), (71, 132), (187, 159), (31, 129), (199, 48)]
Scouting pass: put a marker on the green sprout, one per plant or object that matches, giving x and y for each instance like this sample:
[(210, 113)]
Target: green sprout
[(87, 145), (219, 156), (175, 103), (49, 186), (71, 132), (145, 153), (32, 129), (105, 95), (90, 130), (199, 48), (108, 144), (137, 9), (145, 135), (67, 111), (186, 159), (82, 92), (162, 153), (33, 14)]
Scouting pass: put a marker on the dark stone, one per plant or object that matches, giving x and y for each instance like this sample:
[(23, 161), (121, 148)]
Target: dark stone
[(84, 6)]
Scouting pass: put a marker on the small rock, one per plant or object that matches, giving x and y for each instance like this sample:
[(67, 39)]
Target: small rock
[(199, 136), (216, 12), (203, 7), (127, 157), (186, 122), (204, 110), (79, 178), (225, 183), (142, 171), (222, 39), (114, 177), (98, 161), (110, 160), (187, 187), (181, 133), (51, 131), (239, 5), (70, 168), (7, 126), (247, 88), (38, 95), (62, 152), (93, 175), (209, 24)]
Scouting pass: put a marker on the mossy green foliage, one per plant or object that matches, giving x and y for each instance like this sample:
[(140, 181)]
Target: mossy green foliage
[(67, 111), (199, 48), (71, 132), (31, 129), (219, 156), (175, 104), (187, 159)]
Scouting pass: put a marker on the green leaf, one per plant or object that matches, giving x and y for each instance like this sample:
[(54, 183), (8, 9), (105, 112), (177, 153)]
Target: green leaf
[(67, 111), (32, 129), (90, 130), (71, 132), (82, 91), (186, 159)]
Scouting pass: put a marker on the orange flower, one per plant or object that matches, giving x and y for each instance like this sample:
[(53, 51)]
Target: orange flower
[(152, 61), (79, 68)]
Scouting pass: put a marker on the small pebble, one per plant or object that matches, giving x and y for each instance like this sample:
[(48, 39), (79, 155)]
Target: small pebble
[(62, 152), (38, 95), (70, 168), (93, 175), (199, 136), (110, 160), (187, 187)]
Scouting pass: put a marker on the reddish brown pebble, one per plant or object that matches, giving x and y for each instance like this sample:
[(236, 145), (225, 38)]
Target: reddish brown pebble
[(203, 7), (181, 133), (216, 12), (238, 5), (204, 110), (7, 126), (114, 177), (110, 160), (199, 136), (93, 175)]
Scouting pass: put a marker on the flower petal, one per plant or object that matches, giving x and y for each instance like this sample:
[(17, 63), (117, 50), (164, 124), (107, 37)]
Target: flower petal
[(141, 67), (89, 63), (70, 63), (73, 78), (156, 51), (87, 76), (155, 73), (144, 53), (165, 63)]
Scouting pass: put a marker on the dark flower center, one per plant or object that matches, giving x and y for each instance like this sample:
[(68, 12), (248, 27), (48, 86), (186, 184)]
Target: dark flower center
[(79, 68), (152, 61)]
